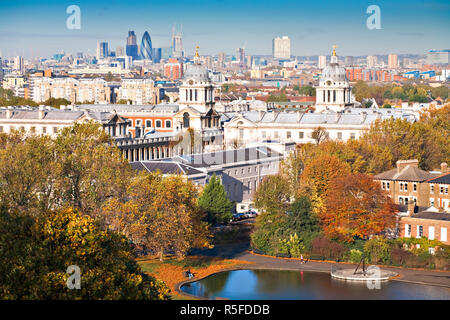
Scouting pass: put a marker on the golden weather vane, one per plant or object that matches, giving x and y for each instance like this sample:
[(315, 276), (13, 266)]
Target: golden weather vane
[(334, 49)]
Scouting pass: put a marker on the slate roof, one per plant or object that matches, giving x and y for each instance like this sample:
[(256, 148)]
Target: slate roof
[(408, 173), (165, 167), (432, 215), (442, 179), (68, 115)]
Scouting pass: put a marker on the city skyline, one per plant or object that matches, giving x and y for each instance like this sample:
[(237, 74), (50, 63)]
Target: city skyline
[(312, 28)]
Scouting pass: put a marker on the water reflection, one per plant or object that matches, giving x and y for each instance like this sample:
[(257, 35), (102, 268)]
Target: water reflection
[(300, 285)]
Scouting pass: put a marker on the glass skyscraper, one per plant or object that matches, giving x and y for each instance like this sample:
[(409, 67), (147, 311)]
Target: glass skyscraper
[(146, 47), (132, 48)]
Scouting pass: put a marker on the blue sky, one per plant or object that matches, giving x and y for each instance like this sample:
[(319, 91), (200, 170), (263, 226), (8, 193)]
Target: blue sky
[(38, 28)]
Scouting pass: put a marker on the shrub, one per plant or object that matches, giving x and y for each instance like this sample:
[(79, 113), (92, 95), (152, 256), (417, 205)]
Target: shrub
[(329, 249), (354, 255), (378, 250), (399, 256), (292, 247)]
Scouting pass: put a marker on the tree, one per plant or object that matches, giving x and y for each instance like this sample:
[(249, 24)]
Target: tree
[(161, 214), (36, 252), (356, 207), (301, 219), (214, 201), (319, 135)]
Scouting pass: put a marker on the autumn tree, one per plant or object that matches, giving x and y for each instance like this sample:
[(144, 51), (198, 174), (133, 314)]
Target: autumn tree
[(214, 201), (160, 214), (319, 135), (35, 253), (318, 176), (356, 207)]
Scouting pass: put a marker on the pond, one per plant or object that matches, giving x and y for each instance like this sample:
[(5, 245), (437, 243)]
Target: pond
[(303, 285)]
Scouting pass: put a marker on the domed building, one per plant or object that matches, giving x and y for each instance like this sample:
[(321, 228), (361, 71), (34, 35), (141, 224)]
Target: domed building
[(334, 91), (197, 90)]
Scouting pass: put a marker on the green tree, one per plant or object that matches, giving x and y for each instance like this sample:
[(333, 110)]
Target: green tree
[(36, 252), (214, 201)]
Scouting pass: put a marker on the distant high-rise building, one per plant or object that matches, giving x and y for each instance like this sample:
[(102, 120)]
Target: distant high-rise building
[(281, 48), (392, 61), (132, 48), (173, 69), (102, 50), (349, 61), (166, 53), (241, 57), (221, 60), (146, 47), (177, 44), (249, 62), (18, 64), (438, 57), (120, 52), (156, 55), (322, 62), (372, 61)]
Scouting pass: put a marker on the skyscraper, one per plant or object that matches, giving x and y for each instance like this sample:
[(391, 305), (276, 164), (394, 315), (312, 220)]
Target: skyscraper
[(392, 61), (120, 52), (221, 60), (281, 48), (322, 62), (146, 47), (156, 55), (18, 64), (131, 48), (177, 44), (372, 61), (241, 57), (102, 50)]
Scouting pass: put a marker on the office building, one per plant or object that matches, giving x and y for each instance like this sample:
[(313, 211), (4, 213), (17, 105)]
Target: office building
[(132, 48), (281, 48), (392, 61)]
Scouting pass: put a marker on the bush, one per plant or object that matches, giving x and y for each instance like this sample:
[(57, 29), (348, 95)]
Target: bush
[(326, 248), (399, 256), (354, 255), (292, 247), (378, 250)]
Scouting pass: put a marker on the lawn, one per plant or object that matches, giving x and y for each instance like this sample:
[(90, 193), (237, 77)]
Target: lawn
[(171, 269)]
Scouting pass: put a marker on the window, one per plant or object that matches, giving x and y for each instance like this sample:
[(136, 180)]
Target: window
[(431, 202), (1, 128), (288, 134), (148, 123), (263, 134), (407, 230), (401, 186), (352, 136), (431, 232), (414, 187), (168, 124), (419, 231), (446, 190), (406, 187), (44, 129), (275, 134), (387, 185), (138, 122), (249, 170), (383, 186), (441, 189), (339, 135), (241, 133), (406, 201), (400, 200), (432, 188), (300, 135), (242, 171), (158, 123), (443, 234), (55, 129)]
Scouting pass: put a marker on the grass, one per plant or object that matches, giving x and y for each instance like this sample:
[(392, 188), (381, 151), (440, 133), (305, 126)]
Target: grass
[(171, 269)]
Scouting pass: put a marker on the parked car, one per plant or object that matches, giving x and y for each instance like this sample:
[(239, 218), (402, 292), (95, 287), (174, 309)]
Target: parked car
[(251, 214), (238, 216)]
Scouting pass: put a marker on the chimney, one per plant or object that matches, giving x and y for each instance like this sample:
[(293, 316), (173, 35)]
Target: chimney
[(41, 113), (444, 167), (411, 206), (401, 164), (9, 113)]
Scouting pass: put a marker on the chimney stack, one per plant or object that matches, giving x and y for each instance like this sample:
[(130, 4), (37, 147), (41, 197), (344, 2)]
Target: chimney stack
[(411, 206), (41, 113), (401, 164)]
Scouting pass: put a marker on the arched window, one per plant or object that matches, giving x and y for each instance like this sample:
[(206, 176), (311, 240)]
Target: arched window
[(168, 124), (148, 123), (158, 123), (186, 120)]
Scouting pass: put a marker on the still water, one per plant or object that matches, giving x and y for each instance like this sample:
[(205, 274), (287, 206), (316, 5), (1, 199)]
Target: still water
[(298, 285)]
